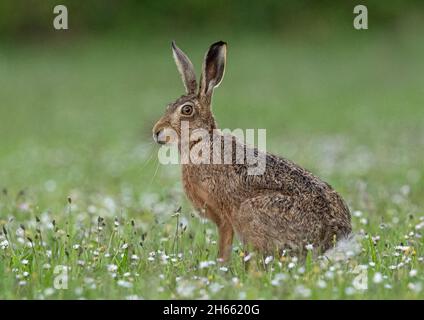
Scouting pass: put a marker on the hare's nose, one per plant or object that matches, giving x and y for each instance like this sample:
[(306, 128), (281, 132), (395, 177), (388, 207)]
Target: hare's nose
[(158, 137)]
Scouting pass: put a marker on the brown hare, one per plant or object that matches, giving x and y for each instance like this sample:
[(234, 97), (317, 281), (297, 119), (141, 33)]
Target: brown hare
[(285, 208)]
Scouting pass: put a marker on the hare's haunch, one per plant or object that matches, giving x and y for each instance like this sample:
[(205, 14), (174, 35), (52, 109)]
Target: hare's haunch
[(284, 208)]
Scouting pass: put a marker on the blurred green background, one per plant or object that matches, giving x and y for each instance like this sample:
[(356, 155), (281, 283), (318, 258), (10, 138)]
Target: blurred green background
[(77, 105)]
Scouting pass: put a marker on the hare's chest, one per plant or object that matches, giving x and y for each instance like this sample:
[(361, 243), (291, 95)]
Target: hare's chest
[(199, 190)]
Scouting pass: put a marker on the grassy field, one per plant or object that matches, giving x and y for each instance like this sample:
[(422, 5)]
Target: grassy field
[(81, 185)]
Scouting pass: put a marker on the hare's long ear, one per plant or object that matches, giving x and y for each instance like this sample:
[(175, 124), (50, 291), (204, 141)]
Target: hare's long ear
[(213, 69), (185, 68)]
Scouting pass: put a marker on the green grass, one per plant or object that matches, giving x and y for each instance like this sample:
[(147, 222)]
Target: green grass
[(76, 120)]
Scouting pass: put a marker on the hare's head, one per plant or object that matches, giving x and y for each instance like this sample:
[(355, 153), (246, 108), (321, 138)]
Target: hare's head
[(194, 107)]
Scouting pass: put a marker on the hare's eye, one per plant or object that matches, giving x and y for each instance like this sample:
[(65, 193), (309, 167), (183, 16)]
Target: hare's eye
[(187, 110)]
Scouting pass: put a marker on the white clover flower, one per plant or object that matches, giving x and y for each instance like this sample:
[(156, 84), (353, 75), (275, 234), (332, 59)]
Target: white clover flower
[(405, 189), (302, 291), (269, 259), (350, 291), (134, 257), (357, 213), (247, 258), (215, 287), (79, 291), (329, 275), (185, 289), (388, 286), (46, 266), (403, 248), (76, 246), (309, 247), (25, 274), (22, 283), (278, 278), (223, 269), (124, 246), (413, 273), (378, 277), (112, 267), (88, 280), (416, 287), (291, 265), (4, 244), (124, 284), (419, 226), (20, 232), (24, 261), (48, 292), (151, 258), (321, 284), (206, 264)]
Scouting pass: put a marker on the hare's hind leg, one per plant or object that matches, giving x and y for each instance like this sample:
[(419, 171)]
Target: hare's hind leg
[(269, 222)]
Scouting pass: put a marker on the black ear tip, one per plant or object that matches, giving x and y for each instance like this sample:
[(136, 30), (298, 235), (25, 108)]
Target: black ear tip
[(219, 44), (173, 45)]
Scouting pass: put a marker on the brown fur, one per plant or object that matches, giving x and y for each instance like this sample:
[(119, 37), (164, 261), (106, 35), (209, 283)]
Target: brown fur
[(287, 207)]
